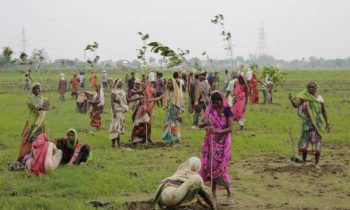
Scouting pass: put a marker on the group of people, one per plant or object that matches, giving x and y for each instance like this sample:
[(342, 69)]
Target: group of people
[(219, 113), (37, 153)]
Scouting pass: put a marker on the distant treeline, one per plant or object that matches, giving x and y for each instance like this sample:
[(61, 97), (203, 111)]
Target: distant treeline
[(302, 63)]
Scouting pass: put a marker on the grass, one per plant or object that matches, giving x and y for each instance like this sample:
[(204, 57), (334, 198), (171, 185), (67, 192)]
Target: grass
[(121, 175)]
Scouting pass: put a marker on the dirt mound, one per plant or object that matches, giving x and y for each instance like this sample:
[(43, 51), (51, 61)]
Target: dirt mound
[(296, 169), (146, 205)]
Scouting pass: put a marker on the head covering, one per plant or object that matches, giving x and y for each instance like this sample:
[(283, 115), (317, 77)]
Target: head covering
[(104, 71), (186, 169), (313, 107), (69, 144), (40, 146), (116, 83), (34, 85), (223, 98), (176, 97), (62, 76)]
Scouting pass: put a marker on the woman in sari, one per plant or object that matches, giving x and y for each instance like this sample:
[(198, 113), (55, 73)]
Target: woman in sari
[(62, 86), (310, 108), (216, 149), (182, 188), (74, 85), (35, 125), (73, 151), (97, 108), (141, 117), (240, 101), (119, 106), (172, 105), (45, 156), (93, 80), (254, 91)]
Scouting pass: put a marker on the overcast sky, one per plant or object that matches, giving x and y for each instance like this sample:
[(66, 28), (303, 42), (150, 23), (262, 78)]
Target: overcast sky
[(294, 28)]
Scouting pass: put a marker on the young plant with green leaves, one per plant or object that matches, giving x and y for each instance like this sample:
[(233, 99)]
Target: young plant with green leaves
[(275, 74), (226, 35), (175, 59), (92, 48), (142, 51)]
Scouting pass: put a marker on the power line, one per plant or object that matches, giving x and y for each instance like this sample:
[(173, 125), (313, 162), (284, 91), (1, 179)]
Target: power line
[(23, 41), (262, 48)]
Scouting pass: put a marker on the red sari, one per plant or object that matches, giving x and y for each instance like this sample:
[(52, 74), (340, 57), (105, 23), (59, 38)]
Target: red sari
[(254, 92)]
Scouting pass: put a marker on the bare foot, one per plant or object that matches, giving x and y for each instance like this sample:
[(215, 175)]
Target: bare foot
[(317, 167)]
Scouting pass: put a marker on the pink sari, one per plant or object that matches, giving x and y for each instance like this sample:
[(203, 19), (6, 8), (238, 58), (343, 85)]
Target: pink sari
[(239, 102), (149, 94), (216, 148), (37, 165)]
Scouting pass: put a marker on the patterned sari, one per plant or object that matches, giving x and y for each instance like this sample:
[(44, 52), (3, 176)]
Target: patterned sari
[(216, 148), (311, 127), (35, 125), (172, 103)]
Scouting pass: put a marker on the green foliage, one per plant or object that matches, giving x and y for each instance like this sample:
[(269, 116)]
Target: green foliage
[(175, 59), (254, 67), (275, 74), (142, 52), (7, 53), (258, 152), (92, 48), (226, 36)]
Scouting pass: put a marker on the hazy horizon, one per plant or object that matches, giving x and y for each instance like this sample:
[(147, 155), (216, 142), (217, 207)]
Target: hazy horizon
[(294, 28)]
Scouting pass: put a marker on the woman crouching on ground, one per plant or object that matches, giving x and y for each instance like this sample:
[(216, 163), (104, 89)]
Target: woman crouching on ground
[(182, 188), (73, 151)]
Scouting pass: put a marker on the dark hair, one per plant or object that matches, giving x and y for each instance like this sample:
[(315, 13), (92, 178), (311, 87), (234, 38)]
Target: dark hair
[(240, 79), (216, 96), (176, 75), (196, 76)]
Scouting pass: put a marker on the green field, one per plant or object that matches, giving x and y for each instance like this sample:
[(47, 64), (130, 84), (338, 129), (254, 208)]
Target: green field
[(262, 175)]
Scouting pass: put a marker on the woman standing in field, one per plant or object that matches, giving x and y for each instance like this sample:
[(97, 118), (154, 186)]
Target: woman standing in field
[(254, 91), (93, 80), (35, 125), (240, 97), (62, 86), (172, 105), (119, 106), (310, 108), (97, 108), (141, 117), (216, 149), (74, 85)]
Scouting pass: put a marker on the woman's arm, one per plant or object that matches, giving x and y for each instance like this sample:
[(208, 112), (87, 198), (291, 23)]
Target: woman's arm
[(246, 97), (296, 102), (113, 99), (207, 198), (133, 99), (155, 99), (225, 130), (325, 116)]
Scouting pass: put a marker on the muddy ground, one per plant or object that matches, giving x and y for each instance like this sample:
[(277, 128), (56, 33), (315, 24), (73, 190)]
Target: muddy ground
[(275, 182)]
